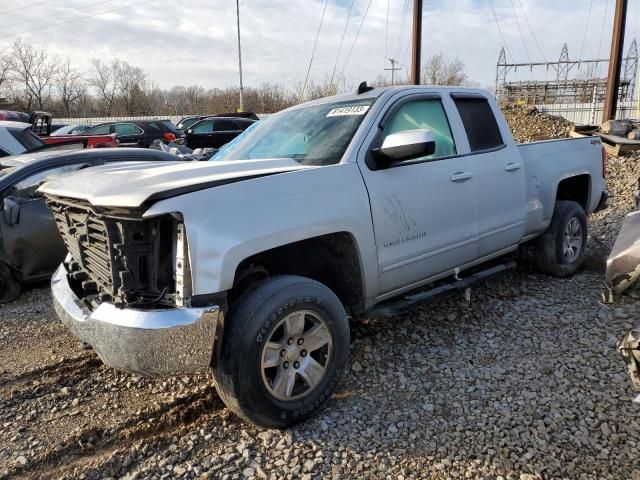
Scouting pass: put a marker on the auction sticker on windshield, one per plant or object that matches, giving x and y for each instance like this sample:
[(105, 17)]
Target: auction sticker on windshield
[(349, 110)]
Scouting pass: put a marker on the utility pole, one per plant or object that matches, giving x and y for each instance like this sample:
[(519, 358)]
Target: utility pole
[(417, 41), (393, 69), (615, 62), (240, 57)]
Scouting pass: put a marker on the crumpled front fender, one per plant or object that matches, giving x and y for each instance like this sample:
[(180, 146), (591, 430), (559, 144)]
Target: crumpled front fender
[(629, 347)]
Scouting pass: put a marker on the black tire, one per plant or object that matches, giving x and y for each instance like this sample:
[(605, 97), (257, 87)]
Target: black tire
[(257, 317), (9, 287), (550, 254)]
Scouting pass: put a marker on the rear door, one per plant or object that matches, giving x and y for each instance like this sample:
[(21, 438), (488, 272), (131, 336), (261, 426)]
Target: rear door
[(499, 176), (200, 134), (225, 131), (424, 212), (128, 134)]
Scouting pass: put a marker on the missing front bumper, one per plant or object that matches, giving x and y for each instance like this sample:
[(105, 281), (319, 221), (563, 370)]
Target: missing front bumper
[(629, 347), (152, 343)]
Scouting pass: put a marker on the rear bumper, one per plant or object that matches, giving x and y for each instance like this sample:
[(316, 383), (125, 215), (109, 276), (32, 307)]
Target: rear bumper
[(152, 343)]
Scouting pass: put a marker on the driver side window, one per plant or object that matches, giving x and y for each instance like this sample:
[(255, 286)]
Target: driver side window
[(26, 189), (424, 114)]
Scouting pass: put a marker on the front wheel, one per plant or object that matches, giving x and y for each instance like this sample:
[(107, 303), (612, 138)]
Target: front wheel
[(560, 249), (285, 345)]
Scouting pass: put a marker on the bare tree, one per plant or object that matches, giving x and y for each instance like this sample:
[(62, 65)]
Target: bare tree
[(130, 83), (69, 85), (6, 67), (104, 79), (440, 70), (34, 71)]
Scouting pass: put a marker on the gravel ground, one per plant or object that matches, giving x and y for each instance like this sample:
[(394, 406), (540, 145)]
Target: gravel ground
[(522, 383)]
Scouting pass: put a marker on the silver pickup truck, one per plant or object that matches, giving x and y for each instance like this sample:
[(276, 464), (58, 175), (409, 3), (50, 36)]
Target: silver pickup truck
[(252, 264)]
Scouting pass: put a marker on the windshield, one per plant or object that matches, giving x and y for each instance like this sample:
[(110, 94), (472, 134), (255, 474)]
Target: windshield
[(314, 135)]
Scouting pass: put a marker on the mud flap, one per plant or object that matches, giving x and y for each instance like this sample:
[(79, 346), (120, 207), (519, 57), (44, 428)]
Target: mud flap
[(629, 347)]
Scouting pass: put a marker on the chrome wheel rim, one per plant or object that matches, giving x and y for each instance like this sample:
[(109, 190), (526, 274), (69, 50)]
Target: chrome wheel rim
[(572, 244), (296, 355)]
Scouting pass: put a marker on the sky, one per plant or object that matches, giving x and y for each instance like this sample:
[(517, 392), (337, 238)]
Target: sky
[(186, 42)]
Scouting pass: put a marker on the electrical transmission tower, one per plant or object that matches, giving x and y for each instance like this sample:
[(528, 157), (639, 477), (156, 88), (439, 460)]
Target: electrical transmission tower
[(563, 65)]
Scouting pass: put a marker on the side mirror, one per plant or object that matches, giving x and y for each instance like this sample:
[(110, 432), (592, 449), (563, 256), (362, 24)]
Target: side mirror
[(405, 145), (11, 211)]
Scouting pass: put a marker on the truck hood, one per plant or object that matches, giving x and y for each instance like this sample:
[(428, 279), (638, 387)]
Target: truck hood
[(131, 184)]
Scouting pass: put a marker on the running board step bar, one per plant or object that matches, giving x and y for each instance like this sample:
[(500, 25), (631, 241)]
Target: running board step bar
[(393, 307)]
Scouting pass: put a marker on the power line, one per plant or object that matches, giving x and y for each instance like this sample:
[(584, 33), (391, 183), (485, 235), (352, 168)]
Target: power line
[(77, 18), (313, 52), (56, 14), (344, 32), (355, 39), (386, 35), (604, 20), (586, 30), (404, 18), (504, 42), (535, 39), (524, 44), (24, 6)]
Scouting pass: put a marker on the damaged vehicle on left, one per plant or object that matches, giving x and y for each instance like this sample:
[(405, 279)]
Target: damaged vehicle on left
[(30, 245)]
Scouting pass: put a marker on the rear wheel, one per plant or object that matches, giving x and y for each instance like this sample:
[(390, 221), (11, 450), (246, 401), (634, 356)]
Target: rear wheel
[(285, 345), (559, 251)]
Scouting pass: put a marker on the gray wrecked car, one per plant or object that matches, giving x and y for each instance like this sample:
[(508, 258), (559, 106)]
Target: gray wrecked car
[(30, 245), (623, 271)]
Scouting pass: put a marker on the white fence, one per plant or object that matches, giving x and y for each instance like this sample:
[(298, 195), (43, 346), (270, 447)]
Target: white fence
[(96, 120), (588, 113)]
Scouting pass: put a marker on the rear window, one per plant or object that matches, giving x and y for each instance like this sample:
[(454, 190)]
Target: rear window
[(480, 123), (29, 140)]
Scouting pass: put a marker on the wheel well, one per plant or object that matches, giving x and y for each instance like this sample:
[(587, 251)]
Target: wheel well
[(575, 189), (332, 260)]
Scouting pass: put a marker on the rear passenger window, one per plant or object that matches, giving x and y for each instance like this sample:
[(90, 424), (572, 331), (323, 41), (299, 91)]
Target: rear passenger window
[(480, 123), (225, 126)]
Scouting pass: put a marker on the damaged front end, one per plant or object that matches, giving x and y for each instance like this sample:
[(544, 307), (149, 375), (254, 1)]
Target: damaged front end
[(629, 347), (623, 263), (117, 256), (125, 289)]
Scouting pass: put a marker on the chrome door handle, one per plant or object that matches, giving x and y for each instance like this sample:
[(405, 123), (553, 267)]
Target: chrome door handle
[(460, 176), (512, 167)]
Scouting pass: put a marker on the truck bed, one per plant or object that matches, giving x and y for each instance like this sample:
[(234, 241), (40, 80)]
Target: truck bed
[(549, 162)]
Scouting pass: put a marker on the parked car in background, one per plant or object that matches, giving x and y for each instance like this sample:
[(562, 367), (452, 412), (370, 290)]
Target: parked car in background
[(188, 121), (17, 138), (215, 132), (71, 130), (30, 245), (138, 133), (354, 206)]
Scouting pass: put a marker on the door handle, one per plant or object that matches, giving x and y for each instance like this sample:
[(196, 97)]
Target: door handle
[(512, 167), (460, 176)]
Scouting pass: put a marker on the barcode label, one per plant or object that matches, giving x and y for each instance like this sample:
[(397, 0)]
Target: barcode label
[(352, 110)]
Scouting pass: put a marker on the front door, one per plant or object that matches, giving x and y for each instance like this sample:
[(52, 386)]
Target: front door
[(423, 210), (200, 134)]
